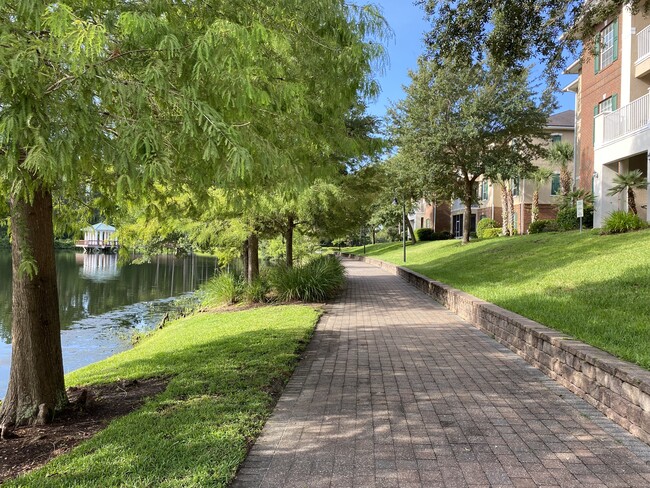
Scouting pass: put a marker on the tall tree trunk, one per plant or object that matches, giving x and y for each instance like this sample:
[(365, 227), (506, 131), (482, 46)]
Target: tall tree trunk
[(505, 214), (244, 258), (410, 229), (565, 181), (511, 209), (631, 201), (534, 210), (288, 240), (467, 219), (374, 236), (253, 258), (36, 386)]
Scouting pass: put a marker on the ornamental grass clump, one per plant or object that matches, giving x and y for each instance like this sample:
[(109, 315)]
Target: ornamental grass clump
[(224, 289), (318, 280), (620, 222)]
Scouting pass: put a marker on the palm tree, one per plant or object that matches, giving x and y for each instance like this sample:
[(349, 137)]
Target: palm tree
[(561, 154), (630, 180), (540, 176)]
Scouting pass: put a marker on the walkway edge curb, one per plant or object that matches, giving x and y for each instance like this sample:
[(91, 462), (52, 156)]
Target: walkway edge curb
[(619, 389)]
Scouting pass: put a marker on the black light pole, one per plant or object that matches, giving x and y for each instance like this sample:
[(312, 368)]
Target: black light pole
[(404, 228), (403, 225)]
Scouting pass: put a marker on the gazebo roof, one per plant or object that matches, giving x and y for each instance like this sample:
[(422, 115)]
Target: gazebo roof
[(100, 227)]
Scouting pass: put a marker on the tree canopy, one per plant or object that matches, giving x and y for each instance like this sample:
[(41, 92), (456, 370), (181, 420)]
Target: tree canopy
[(459, 122), (131, 99), (515, 32)]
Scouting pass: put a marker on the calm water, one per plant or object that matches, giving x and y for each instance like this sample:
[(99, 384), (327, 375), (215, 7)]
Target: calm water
[(103, 304)]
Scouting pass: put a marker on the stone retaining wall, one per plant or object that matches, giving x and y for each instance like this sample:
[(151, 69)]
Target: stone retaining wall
[(619, 389)]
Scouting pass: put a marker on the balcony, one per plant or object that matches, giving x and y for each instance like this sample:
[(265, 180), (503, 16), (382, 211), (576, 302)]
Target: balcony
[(642, 65), (623, 132), (628, 119)]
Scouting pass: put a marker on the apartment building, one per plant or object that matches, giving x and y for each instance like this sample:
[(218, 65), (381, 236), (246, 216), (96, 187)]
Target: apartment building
[(434, 215), (613, 110), (561, 127)]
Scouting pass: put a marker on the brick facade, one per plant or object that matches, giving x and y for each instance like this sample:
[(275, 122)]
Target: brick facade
[(594, 88)]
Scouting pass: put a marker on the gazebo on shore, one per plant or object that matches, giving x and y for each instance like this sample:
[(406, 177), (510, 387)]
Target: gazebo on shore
[(99, 238)]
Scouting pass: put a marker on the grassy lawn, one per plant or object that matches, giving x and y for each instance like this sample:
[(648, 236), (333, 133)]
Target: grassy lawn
[(196, 433), (594, 288)]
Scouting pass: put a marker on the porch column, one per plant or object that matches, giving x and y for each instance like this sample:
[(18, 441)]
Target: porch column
[(647, 213)]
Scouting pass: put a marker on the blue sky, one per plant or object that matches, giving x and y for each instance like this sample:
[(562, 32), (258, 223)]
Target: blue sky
[(408, 25)]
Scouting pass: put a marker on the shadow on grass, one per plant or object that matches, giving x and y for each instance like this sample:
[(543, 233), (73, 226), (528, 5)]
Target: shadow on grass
[(198, 431)]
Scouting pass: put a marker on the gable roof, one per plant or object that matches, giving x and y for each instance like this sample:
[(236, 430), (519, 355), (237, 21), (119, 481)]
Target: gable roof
[(100, 227), (562, 119)]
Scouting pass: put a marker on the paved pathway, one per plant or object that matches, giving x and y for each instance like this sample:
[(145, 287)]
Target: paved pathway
[(397, 391)]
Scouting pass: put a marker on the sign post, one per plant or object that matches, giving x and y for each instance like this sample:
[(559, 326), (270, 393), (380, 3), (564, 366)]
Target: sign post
[(580, 211)]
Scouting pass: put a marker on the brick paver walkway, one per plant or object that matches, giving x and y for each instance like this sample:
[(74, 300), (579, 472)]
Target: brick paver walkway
[(397, 391)]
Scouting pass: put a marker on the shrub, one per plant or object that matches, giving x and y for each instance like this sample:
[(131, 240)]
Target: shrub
[(425, 234), (483, 225), (224, 289), (619, 222), (257, 291), (543, 226), (444, 235), (567, 220), (316, 281), (491, 233)]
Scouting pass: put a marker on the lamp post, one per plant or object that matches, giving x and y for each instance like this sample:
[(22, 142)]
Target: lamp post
[(403, 225)]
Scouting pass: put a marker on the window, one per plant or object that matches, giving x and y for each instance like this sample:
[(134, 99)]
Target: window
[(555, 138), (606, 105), (515, 187), (483, 190), (428, 224), (555, 184), (606, 46)]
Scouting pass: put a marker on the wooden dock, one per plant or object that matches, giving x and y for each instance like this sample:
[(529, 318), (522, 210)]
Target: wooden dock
[(98, 246)]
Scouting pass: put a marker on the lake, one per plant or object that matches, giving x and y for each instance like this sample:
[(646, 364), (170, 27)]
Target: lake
[(103, 303)]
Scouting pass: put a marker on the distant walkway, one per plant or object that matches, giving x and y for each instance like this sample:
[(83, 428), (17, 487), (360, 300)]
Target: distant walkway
[(397, 391)]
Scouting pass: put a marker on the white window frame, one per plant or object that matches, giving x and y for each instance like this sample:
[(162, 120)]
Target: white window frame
[(607, 54)]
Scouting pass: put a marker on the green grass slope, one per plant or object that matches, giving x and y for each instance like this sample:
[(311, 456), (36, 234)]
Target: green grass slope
[(592, 287), (196, 433)]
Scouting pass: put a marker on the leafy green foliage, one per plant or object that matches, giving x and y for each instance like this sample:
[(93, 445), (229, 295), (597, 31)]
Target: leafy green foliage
[(224, 289), (224, 370), (316, 281), (516, 33), (630, 181), (490, 233), (424, 234), (620, 222), (567, 220), (433, 236), (493, 127), (430, 235), (257, 291), (485, 224), (540, 226)]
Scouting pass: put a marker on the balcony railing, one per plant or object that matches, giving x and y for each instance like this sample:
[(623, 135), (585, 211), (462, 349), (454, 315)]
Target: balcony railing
[(625, 120), (643, 40)]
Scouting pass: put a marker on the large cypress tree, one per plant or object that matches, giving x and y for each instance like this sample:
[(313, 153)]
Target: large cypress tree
[(122, 96)]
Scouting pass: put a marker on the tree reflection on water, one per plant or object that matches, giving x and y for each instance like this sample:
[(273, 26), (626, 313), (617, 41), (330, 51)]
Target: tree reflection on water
[(102, 303)]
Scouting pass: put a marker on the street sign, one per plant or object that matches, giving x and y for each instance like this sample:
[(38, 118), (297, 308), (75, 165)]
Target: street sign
[(580, 208)]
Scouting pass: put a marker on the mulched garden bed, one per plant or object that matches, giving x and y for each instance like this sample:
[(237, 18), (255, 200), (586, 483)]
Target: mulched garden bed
[(90, 410)]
